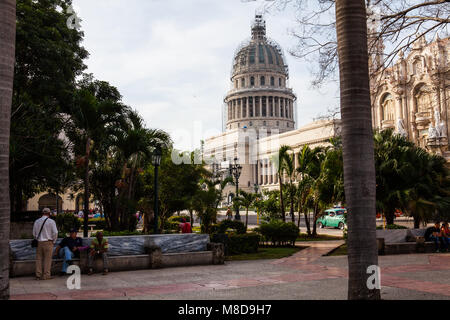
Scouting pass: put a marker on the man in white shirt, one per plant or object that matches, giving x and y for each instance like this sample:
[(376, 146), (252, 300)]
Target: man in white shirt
[(46, 239)]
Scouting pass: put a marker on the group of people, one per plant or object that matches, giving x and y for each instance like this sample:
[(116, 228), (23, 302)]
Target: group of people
[(46, 234), (440, 235)]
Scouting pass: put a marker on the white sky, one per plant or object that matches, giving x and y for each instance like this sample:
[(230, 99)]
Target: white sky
[(171, 59)]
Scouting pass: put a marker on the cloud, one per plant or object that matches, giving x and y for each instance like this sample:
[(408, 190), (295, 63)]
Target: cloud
[(171, 59)]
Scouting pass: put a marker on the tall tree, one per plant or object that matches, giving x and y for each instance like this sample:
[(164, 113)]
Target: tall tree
[(7, 49), (95, 113), (278, 159), (358, 145), (245, 199), (49, 57)]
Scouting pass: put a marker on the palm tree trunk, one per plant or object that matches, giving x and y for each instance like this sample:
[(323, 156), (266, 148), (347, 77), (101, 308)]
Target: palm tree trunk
[(316, 212), (283, 217), (358, 146), (308, 228), (246, 218), (7, 55), (291, 211), (86, 188)]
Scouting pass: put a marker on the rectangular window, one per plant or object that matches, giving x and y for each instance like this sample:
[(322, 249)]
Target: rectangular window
[(264, 107), (261, 54), (257, 107)]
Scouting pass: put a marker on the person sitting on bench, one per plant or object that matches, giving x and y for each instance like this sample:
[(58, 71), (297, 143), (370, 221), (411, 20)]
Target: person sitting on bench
[(432, 234), (445, 236), (70, 249), (99, 247)]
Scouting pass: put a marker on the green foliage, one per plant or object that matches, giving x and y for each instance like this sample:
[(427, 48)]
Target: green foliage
[(67, 221), (49, 57), (279, 233), (243, 243), (100, 223), (392, 227), (174, 221), (225, 225), (410, 179), (179, 219), (119, 233)]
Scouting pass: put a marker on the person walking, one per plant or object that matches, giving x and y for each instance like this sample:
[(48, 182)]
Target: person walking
[(46, 233)]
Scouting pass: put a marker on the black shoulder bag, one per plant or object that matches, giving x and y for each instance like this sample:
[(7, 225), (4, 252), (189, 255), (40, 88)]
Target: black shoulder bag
[(34, 242)]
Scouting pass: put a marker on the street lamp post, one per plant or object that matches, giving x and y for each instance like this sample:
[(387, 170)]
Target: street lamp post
[(156, 161), (236, 170)]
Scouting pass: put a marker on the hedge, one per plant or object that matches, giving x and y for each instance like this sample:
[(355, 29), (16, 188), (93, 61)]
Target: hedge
[(243, 243), (237, 243), (279, 233), (392, 227), (224, 225)]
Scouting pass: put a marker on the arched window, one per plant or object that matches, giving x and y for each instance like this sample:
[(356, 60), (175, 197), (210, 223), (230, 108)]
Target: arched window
[(252, 81), (279, 82), (236, 84), (242, 82), (272, 81), (388, 107), (263, 81), (424, 100)]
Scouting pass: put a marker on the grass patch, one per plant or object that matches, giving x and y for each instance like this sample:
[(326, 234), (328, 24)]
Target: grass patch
[(266, 253), (319, 237), (340, 251)]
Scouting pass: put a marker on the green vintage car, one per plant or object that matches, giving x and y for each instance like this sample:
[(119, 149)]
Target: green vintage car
[(332, 218)]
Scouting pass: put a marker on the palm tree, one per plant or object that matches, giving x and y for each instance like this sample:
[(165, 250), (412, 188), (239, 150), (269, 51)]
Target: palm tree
[(133, 144), (288, 161), (309, 170), (93, 117), (7, 54), (278, 159), (358, 146), (245, 199)]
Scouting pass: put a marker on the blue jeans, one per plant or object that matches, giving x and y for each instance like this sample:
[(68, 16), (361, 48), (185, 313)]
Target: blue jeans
[(67, 255), (444, 240)]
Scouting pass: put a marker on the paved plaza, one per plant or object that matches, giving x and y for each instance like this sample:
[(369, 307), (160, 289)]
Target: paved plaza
[(306, 275)]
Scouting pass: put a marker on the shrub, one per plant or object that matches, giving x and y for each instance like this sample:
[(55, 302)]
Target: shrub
[(279, 233), (173, 222), (237, 243), (392, 227), (179, 219), (67, 221), (100, 223), (243, 243), (119, 233), (224, 225)]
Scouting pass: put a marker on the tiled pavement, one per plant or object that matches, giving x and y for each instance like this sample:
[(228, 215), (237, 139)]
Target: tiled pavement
[(305, 275)]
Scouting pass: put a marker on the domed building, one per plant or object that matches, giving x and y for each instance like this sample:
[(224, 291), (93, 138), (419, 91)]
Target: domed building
[(259, 117), (259, 96)]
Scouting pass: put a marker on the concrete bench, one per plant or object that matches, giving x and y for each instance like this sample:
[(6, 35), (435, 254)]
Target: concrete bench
[(154, 259), (403, 241)]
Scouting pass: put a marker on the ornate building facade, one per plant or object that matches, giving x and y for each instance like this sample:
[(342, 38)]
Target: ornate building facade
[(412, 96)]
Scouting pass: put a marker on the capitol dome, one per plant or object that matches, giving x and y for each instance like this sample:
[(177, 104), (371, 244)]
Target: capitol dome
[(259, 96), (259, 53)]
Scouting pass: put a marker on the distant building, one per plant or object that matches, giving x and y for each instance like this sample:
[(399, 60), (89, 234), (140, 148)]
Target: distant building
[(412, 97), (260, 113)]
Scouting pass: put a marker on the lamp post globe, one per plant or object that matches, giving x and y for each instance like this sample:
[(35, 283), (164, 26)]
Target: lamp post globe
[(156, 161)]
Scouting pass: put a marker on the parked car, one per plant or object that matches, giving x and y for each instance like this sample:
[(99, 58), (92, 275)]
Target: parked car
[(332, 218)]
